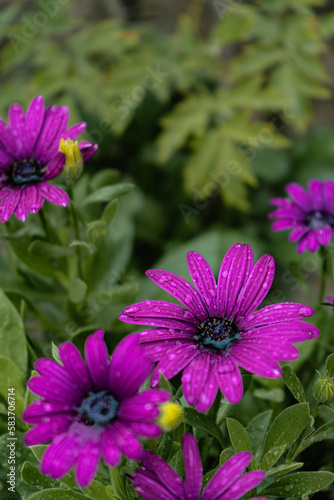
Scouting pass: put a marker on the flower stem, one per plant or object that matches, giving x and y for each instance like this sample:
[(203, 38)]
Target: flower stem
[(325, 271), (76, 230)]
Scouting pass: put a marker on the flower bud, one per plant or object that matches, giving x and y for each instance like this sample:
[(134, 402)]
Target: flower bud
[(73, 165), (323, 388), (171, 415)]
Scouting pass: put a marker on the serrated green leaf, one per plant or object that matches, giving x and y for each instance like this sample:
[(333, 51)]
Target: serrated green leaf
[(300, 483), (12, 337), (271, 457), (108, 193), (293, 384), (77, 291), (238, 435), (201, 421), (287, 426)]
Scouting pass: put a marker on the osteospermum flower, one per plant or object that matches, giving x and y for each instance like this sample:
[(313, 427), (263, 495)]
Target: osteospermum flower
[(158, 481), (92, 409), (30, 157), (218, 330), (310, 215)]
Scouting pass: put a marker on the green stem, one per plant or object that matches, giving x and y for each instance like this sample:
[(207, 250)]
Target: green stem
[(325, 271), (115, 483), (316, 409), (76, 231)]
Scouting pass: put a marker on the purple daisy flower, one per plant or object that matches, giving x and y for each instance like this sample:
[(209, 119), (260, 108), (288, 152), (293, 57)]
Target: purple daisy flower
[(158, 481), (218, 330), (310, 215), (92, 409), (30, 157)]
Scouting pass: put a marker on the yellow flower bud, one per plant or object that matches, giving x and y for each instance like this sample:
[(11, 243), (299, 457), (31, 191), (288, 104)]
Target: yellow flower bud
[(323, 388), (73, 164), (171, 415)]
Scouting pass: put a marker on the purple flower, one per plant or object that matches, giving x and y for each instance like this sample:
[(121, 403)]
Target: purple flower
[(92, 409), (218, 330), (30, 157), (310, 215), (158, 481), (330, 302)]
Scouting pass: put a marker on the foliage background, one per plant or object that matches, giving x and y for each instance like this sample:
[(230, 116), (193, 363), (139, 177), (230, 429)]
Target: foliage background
[(209, 109)]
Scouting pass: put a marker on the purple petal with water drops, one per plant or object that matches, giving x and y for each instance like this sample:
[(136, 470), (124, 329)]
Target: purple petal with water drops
[(192, 467), (300, 196), (316, 192), (38, 411), (181, 290), (7, 140), (17, 121), (54, 391), (291, 331), (204, 280), (163, 334), (48, 430), (74, 131), (55, 121), (5, 161), (109, 448), (211, 387), (87, 150), (159, 313), (234, 271), (149, 487), (9, 204), (229, 379), (157, 350), (328, 193), (143, 406), (23, 207), (255, 361), (55, 166), (97, 359), (194, 377), (312, 241), (149, 430), (127, 440), (174, 361), (256, 286), (87, 463), (34, 123), (279, 350), (324, 235), (54, 371), (163, 472), (276, 313), (53, 194), (226, 475), (242, 485), (75, 365), (60, 456)]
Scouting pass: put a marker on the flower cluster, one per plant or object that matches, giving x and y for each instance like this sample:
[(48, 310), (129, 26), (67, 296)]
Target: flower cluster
[(217, 329)]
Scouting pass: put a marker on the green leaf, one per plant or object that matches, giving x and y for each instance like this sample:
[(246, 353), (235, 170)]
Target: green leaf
[(287, 426), (326, 431), (11, 378), (97, 490), (77, 291), (57, 494), (300, 483), (108, 193), (271, 457), (110, 212), (166, 449), (12, 338), (225, 455), (88, 246), (238, 435), (104, 177), (30, 474), (257, 429), (55, 353), (41, 248), (284, 469), (294, 384), (330, 365), (276, 394), (201, 421)]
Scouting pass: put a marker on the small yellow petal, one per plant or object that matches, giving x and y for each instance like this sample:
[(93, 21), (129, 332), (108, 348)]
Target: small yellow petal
[(73, 164), (171, 415)]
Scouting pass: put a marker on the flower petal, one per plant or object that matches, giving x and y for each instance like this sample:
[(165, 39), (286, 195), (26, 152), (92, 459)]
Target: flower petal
[(164, 473), (276, 313), (211, 387), (149, 487), (88, 463), (242, 485), (291, 331), (282, 351), (192, 467), (324, 235), (17, 122), (55, 166), (229, 379), (9, 204), (109, 448), (87, 150), (34, 122), (74, 131), (316, 192), (38, 411), (53, 194), (143, 406), (157, 350), (60, 456), (300, 196), (149, 430), (75, 365), (127, 440), (194, 377), (255, 361), (46, 431), (174, 361), (328, 193), (55, 120), (204, 281), (97, 359)]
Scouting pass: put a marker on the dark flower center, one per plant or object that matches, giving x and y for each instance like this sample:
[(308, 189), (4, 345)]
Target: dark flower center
[(99, 408), (25, 172), (316, 220), (217, 333)]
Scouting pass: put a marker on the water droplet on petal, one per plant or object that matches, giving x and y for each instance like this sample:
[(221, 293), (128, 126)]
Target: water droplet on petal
[(304, 311), (265, 286), (186, 378), (212, 292), (157, 309), (188, 298), (225, 274)]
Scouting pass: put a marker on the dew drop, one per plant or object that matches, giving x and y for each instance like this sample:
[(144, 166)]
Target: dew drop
[(171, 356), (188, 298), (157, 309), (304, 311), (265, 286), (225, 274), (212, 292)]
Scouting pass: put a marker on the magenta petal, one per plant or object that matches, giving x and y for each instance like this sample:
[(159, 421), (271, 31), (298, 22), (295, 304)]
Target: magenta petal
[(157, 350), (143, 406), (7, 139), (9, 204), (192, 468), (75, 365), (276, 313), (159, 313), (149, 487), (33, 199), (180, 289), (255, 361), (42, 433), (194, 377), (23, 207), (74, 131), (53, 371), (164, 473), (229, 379), (97, 359), (163, 334), (211, 387), (173, 362), (242, 485), (54, 391), (55, 120), (256, 287), (283, 351), (5, 161), (324, 235), (226, 475), (316, 192), (149, 430), (55, 166), (109, 448), (303, 244), (60, 456), (204, 280), (53, 194), (17, 122), (298, 232), (312, 241), (293, 212), (88, 463), (301, 196), (87, 150), (328, 192), (129, 368), (39, 411), (34, 121), (281, 224), (291, 331), (127, 440), (234, 271)]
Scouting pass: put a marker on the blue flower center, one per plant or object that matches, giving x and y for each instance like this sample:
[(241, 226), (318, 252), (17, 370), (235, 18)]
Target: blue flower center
[(25, 172), (217, 333), (317, 219), (99, 408)]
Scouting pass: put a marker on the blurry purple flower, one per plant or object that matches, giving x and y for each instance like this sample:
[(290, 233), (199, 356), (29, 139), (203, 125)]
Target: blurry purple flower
[(310, 215), (330, 302), (92, 409), (30, 157), (158, 481), (219, 330)]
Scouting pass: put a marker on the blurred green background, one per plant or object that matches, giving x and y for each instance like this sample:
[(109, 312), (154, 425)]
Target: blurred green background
[(209, 107)]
